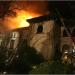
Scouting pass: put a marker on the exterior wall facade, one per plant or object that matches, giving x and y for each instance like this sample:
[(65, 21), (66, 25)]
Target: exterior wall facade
[(44, 36), (45, 41), (65, 40)]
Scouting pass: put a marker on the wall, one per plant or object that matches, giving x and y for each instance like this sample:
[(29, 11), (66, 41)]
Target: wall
[(65, 40), (44, 42)]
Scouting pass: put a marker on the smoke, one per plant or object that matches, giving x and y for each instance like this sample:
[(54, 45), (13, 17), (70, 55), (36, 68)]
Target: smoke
[(24, 9)]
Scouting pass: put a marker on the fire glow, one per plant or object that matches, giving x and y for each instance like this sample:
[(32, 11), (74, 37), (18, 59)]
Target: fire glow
[(20, 19), (24, 11)]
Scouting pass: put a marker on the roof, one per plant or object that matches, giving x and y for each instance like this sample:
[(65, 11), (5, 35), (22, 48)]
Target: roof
[(18, 29), (22, 28), (41, 18)]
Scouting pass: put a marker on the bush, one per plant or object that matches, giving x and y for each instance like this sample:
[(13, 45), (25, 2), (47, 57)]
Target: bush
[(52, 68)]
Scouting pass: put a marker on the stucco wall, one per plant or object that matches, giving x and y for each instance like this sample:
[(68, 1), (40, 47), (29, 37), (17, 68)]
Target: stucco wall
[(43, 42)]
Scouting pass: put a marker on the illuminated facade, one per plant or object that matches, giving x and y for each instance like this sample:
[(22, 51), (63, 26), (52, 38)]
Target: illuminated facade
[(43, 34)]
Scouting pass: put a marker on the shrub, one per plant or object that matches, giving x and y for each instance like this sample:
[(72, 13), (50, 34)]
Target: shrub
[(54, 67)]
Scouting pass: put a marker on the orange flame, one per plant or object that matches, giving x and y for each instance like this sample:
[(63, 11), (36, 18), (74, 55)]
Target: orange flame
[(29, 10), (20, 19)]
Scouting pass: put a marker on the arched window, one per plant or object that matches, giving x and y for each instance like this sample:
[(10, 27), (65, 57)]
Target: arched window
[(40, 29)]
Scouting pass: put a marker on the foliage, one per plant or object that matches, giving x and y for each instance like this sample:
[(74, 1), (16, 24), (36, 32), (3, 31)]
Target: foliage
[(43, 68), (54, 67)]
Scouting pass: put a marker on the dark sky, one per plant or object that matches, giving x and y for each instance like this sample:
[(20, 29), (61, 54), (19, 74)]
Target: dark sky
[(66, 8)]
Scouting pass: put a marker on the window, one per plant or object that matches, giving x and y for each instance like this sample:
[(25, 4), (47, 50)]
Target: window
[(11, 44), (40, 29)]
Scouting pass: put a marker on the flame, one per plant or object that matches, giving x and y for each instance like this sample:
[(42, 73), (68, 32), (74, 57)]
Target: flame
[(24, 11), (24, 24), (20, 19)]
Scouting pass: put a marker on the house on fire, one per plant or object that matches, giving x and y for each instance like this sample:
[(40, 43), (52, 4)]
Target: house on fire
[(44, 34)]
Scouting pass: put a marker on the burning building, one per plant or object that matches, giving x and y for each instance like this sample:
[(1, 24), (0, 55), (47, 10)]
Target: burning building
[(43, 34), (31, 23)]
